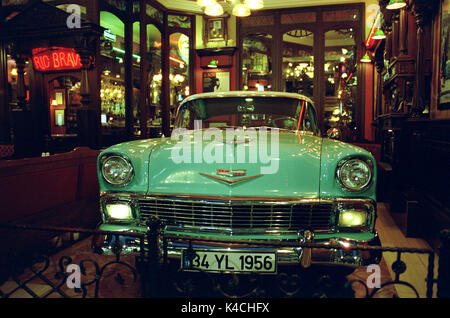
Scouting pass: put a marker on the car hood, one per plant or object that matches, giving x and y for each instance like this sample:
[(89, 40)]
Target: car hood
[(288, 167)]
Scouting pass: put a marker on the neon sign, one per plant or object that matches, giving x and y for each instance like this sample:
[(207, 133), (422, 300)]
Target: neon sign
[(55, 59)]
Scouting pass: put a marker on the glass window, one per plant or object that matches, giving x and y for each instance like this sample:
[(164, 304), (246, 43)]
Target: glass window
[(257, 62), (73, 102), (229, 112), (136, 73), (308, 122), (154, 74), (298, 62), (179, 21), (340, 79), (179, 69), (112, 91)]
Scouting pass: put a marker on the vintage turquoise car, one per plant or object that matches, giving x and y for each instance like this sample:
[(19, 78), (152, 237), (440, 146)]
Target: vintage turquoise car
[(244, 167)]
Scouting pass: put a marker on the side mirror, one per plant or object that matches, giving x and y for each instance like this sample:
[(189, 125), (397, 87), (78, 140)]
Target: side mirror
[(334, 133)]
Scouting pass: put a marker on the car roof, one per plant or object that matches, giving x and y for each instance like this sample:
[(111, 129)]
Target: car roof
[(245, 94)]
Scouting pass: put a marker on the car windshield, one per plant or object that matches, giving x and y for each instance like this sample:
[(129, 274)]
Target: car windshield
[(230, 112)]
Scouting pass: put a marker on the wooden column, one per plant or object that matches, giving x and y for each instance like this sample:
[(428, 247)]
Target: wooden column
[(23, 124), (87, 115), (277, 63), (388, 31), (423, 11), (319, 57), (21, 90), (379, 65), (94, 73), (418, 100), (403, 30), (143, 102), (128, 62), (165, 88), (4, 103), (84, 85)]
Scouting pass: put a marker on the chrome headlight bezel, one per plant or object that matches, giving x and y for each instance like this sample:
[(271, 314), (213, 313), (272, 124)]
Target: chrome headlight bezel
[(114, 156), (341, 165)]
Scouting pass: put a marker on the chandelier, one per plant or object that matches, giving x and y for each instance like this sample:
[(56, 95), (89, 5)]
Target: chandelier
[(235, 7)]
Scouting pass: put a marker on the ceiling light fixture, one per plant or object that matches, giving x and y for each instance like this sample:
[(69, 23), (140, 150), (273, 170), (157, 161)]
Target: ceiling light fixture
[(204, 3), (214, 10), (241, 10), (254, 4), (235, 7)]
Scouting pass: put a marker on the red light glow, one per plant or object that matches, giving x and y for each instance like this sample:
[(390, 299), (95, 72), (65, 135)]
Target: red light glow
[(55, 59), (370, 41)]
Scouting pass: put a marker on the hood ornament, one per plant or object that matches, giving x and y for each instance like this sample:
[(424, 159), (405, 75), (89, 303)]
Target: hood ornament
[(229, 173)]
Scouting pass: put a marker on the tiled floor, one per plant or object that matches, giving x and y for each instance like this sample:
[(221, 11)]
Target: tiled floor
[(417, 264)]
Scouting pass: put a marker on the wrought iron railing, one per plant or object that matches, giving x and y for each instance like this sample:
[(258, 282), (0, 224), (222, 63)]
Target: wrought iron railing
[(149, 272)]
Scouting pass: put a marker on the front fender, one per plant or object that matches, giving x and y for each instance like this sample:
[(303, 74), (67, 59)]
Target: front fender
[(332, 153)]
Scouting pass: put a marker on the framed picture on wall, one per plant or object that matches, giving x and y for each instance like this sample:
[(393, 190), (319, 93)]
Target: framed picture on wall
[(215, 29), (216, 82), (444, 67)]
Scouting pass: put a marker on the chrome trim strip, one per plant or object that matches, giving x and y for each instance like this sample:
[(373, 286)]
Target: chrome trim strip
[(241, 200), (229, 231)]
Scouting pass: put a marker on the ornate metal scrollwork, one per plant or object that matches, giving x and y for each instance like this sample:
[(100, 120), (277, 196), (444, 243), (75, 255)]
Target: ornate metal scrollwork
[(151, 275)]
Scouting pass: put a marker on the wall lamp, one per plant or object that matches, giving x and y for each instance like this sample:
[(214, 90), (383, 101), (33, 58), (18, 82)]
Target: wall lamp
[(396, 4), (379, 35)]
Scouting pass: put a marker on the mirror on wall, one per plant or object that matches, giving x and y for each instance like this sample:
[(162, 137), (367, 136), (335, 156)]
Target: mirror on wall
[(257, 62)]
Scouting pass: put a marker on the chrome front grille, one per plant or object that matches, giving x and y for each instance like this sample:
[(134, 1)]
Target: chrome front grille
[(237, 215)]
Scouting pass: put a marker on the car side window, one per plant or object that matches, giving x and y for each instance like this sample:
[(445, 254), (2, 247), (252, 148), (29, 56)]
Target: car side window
[(308, 122), (185, 118)]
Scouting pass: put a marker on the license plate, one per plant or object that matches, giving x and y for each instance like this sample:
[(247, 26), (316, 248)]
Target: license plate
[(227, 261)]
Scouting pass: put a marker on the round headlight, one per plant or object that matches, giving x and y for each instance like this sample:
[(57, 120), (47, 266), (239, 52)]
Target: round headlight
[(354, 174), (117, 170)]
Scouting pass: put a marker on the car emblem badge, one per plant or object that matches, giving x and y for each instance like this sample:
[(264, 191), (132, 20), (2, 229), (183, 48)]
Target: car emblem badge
[(231, 173), (228, 173)]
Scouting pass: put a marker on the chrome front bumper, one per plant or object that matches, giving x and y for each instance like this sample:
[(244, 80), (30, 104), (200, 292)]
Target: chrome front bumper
[(329, 246), (327, 251)]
